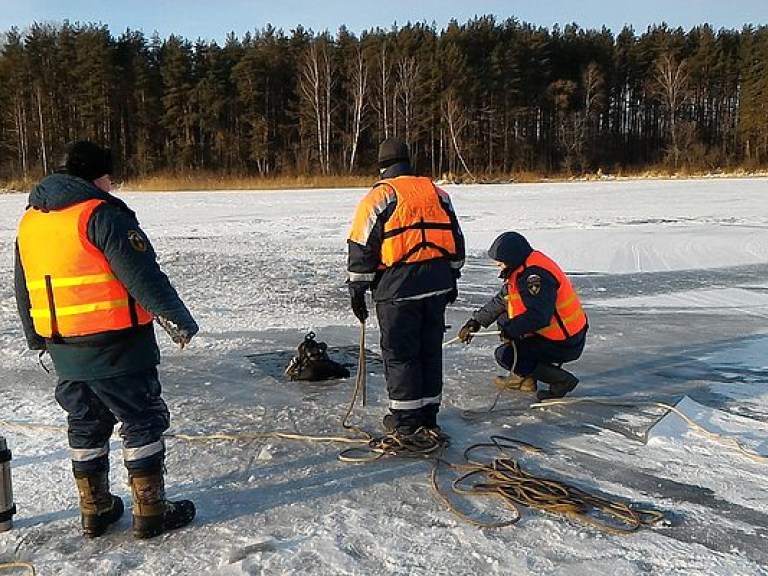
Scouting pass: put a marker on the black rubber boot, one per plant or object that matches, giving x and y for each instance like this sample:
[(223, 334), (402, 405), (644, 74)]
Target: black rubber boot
[(560, 381), (98, 507), (552, 374), (152, 513)]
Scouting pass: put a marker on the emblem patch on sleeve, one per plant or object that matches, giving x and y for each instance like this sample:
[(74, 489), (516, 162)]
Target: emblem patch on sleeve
[(533, 284), (137, 241)]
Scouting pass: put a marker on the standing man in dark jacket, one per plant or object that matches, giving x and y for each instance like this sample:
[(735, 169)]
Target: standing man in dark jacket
[(539, 315), (88, 286), (407, 247)]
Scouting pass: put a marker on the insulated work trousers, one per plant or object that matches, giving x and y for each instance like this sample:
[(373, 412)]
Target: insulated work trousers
[(412, 348), (535, 349), (94, 407)]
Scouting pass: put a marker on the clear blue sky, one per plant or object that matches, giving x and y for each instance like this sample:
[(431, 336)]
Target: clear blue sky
[(213, 19)]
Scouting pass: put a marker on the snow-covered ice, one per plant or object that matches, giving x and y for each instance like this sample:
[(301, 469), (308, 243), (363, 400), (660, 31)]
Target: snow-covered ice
[(674, 276)]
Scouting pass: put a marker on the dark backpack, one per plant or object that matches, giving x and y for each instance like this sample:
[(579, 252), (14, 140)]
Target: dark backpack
[(312, 362)]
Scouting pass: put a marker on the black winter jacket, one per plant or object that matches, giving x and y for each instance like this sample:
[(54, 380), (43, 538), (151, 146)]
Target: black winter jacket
[(117, 352)]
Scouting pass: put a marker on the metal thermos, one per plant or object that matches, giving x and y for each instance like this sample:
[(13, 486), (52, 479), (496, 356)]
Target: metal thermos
[(7, 507)]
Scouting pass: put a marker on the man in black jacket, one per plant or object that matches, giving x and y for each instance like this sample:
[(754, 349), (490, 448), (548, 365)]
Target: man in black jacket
[(406, 246), (88, 285)]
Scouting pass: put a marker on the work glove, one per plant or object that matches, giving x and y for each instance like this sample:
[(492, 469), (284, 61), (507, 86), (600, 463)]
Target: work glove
[(359, 306), (467, 331), (450, 297), (179, 335)]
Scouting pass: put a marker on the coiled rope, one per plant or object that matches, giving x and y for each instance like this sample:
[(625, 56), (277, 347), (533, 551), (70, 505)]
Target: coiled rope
[(503, 477)]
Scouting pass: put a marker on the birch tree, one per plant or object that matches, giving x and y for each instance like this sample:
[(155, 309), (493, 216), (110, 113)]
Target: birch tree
[(671, 86), (316, 86)]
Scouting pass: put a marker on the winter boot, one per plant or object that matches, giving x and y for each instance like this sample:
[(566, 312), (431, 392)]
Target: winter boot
[(429, 421), (152, 513), (516, 382), (390, 423), (426, 440), (560, 381), (398, 443), (98, 507), (402, 421)]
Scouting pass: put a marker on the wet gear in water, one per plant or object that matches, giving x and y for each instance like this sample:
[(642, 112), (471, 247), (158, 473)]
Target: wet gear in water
[(313, 363)]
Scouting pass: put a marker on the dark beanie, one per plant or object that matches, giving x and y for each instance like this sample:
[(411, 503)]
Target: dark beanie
[(86, 160), (392, 151), (511, 248)]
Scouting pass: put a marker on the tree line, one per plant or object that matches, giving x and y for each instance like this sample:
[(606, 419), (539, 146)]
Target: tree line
[(478, 100)]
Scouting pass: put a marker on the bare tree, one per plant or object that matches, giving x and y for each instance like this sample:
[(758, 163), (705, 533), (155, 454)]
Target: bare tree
[(670, 85), (408, 72), (358, 93), (20, 124), (41, 124), (328, 81), (316, 84), (457, 120), (381, 102)]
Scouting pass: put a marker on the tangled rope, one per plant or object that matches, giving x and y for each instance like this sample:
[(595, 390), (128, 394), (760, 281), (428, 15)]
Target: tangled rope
[(430, 448), (504, 477)]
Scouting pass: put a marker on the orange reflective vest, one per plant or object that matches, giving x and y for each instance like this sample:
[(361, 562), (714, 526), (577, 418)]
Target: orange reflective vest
[(569, 316), (420, 228), (72, 288)]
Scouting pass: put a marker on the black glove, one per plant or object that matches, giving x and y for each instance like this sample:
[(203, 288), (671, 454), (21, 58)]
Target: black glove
[(450, 297), (466, 332), (359, 307)]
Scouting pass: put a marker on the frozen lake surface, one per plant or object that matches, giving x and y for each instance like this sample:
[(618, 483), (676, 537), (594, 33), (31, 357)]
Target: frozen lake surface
[(674, 277)]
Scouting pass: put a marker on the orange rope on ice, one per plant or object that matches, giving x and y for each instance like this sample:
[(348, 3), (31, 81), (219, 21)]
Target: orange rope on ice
[(12, 565)]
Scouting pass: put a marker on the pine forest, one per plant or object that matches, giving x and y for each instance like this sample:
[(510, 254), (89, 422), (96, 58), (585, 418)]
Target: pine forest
[(476, 101)]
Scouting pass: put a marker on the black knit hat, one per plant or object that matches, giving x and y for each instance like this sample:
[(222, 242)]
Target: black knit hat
[(392, 151), (511, 248), (86, 160)]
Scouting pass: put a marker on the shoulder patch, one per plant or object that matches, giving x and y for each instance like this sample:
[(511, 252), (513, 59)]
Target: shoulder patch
[(137, 241), (533, 284)]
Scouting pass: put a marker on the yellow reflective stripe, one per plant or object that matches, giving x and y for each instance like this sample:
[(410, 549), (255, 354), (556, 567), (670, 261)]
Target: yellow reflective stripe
[(573, 316), (80, 308), (72, 281), (555, 327), (549, 330), (568, 302)]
